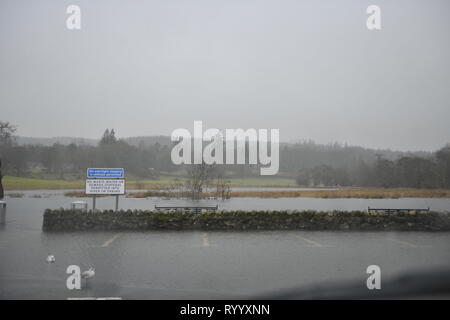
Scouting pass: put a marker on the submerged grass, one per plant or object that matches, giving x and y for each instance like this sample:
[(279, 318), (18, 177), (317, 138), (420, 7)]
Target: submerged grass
[(154, 187), (369, 193)]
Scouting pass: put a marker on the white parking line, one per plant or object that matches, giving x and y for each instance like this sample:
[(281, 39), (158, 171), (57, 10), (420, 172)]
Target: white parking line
[(93, 298), (406, 243), (108, 242), (205, 239), (311, 242)]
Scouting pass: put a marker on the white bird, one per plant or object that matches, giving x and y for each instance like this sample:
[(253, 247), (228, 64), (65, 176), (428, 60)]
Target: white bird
[(88, 273), (50, 258)]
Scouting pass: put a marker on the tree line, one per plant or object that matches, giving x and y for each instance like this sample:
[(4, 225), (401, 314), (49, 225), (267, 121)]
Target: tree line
[(71, 160), (407, 171), (310, 163)]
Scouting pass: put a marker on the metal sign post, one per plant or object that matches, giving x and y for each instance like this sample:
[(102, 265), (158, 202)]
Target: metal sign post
[(106, 181), (2, 212)]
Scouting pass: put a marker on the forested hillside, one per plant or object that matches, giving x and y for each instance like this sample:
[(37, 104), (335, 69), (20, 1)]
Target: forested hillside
[(309, 163)]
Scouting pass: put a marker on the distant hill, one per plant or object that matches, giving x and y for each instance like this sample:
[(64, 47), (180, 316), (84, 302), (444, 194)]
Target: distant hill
[(307, 155), (135, 141), (308, 146), (310, 152), (146, 141), (53, 140)]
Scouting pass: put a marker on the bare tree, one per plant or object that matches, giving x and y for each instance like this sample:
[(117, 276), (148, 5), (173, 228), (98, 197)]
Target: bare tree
[(2, 193), (199, 178), (7, 131), (223, 187)]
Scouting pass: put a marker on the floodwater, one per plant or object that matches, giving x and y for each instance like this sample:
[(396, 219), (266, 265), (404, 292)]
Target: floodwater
[(206, 265), (56, 199)]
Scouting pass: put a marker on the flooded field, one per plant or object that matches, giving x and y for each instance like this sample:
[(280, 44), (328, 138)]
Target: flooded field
[(56, 199), (208, 265)]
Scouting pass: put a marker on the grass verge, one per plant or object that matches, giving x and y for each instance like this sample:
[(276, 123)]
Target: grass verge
[(20, 183)]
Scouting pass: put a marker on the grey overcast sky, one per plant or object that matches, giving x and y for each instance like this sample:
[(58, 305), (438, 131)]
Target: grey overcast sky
[(309, 68)]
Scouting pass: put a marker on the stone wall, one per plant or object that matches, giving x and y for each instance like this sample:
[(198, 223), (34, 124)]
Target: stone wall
[(70, 220)]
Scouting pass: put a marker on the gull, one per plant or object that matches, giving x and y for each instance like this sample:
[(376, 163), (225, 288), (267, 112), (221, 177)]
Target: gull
[(51, 258), (88, 273)]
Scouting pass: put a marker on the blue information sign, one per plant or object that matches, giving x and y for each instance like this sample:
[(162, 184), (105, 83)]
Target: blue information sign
[(109, 173)]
